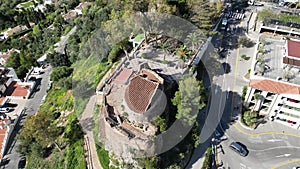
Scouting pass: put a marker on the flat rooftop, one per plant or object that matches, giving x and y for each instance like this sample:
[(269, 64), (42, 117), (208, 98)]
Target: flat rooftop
[(15, 89), (273, 58)]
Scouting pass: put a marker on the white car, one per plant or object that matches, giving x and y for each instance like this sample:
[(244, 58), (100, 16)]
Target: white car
[(4, 110)]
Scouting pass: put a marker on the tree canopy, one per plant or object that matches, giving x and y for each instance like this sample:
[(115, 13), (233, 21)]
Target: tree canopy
[(189, 100)]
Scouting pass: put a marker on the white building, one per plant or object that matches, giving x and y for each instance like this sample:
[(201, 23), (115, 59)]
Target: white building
[(277, 82)]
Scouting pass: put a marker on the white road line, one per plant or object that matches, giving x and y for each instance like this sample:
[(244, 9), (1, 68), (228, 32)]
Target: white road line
[(283, 155), (274, 140), (243, 166), (267, 149)]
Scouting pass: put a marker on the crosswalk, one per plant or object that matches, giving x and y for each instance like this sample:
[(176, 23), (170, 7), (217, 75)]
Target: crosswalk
[(235, 15)]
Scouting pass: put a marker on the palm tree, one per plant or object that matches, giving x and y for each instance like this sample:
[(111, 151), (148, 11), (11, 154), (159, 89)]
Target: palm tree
[(182, 52), (193, 38), (165, 47)]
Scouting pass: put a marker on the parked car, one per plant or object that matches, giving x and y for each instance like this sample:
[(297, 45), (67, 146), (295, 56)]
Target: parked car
[(4, 110), (239, 148), (22, 163)]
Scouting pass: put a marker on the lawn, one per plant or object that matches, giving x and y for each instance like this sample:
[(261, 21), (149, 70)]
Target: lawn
[(103, 156), (27, 4)]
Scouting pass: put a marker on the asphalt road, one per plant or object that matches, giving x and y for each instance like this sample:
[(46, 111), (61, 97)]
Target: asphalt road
[(12, 158), (268, 149)]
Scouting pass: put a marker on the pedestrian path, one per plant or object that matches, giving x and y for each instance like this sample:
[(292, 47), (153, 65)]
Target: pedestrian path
[(86, 122)]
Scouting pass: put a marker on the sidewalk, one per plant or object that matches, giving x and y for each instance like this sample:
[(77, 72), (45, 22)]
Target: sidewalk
[(251, 34)]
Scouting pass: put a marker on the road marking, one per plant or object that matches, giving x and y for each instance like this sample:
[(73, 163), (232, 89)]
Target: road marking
[(283, 155), (235, 73), (264, 133), (278, 147), (243, 166), (286, 163), (274, 140)]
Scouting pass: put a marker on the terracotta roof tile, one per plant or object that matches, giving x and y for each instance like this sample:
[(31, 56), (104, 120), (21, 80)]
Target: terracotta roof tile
[(139, 93), (275, 86), (293, 48)]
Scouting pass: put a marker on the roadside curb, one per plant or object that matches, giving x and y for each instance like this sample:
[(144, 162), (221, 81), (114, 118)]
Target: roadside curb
[(248, 36), (245, 127)]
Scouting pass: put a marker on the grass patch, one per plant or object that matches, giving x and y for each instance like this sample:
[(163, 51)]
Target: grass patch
[(96, 124), (75, 156), (27, 4), (103, 156)]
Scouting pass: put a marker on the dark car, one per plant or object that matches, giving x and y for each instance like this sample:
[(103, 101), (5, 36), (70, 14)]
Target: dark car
[(22, 163), (239, 148)]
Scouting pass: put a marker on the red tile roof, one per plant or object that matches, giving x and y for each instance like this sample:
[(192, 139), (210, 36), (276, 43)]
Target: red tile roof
[(139, 93), (123, 76), (275, 86), (293, 48)]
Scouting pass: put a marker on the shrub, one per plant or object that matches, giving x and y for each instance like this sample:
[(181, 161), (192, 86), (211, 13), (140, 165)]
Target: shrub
[(113, 54), (161, 123), (207, 161), (250, 117), (244, 41), (244, 56), (143, 55), (103, 156)]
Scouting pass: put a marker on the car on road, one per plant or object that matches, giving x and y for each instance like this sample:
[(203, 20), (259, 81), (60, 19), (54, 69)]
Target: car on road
[(239, 148), (22, 163), (4, 110)]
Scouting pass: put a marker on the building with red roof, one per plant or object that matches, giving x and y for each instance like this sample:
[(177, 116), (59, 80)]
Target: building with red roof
[(292, 53), (277, 82)]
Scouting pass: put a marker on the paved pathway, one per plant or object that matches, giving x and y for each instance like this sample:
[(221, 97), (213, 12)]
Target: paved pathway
[(87, 123)]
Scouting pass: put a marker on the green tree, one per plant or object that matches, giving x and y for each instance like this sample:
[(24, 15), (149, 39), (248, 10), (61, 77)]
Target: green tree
[(73, 130), (189, 100), (61, 72), (57, 59), (194, 39), (165, 47), (39, 129), (161, 123), (202, 13)]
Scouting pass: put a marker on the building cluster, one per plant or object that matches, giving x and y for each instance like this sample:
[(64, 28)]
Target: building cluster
[(274, 88), (11, 88)]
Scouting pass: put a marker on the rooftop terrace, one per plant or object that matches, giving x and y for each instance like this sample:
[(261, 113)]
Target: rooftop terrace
[(270, 62)]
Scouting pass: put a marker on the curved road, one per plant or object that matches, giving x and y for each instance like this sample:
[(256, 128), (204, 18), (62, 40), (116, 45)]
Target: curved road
[(271, 145)]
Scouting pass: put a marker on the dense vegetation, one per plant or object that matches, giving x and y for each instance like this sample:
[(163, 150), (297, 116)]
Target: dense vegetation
[(52, 133), (266, 15)]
